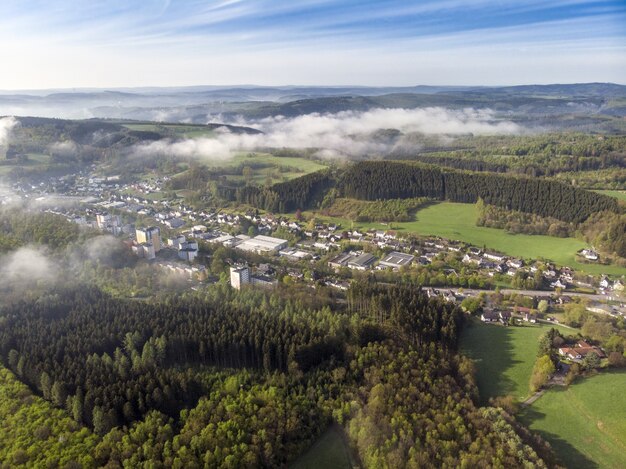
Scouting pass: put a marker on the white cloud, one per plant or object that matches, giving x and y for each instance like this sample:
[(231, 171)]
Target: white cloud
[(341, 134)]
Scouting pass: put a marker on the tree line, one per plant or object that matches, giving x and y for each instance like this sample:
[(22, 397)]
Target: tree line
[(373, 180)]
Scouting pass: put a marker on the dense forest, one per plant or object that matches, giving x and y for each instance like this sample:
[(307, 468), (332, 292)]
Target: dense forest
[(372, 180), (250, 379), (300, 193), (532, 155)]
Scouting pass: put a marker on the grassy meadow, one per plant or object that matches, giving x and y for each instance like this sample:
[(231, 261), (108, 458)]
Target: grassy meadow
[(586, 422), (620, 195), (504, 356), (262, 164)]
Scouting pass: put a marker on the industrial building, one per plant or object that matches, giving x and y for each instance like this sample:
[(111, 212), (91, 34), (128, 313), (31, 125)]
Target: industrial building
[(262, 244), (362, 262), (396, 260)]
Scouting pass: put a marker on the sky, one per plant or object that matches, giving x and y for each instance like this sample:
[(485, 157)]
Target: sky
[(132, 43)]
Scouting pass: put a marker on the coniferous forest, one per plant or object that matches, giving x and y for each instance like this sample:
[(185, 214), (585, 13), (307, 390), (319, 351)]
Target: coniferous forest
[(384, 180), (372, 180), (250, 379)]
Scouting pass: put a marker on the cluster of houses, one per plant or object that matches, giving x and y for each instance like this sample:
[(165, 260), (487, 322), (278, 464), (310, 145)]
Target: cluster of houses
[(315, 240), (579, 351)]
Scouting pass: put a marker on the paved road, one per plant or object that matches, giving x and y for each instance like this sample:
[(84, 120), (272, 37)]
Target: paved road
[(545, 293)]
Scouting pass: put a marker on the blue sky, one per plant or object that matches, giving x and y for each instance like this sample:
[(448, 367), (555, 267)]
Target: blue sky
[(115, 43)]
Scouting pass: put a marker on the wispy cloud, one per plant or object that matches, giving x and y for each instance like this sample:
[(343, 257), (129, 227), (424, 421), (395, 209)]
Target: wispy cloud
[(343, 134), (118, 42)]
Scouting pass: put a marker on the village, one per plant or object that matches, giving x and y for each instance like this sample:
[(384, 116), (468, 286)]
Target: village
[(173, 236)]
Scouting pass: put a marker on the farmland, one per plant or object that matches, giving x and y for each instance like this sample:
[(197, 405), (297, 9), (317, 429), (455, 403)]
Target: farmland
[(586, 422)]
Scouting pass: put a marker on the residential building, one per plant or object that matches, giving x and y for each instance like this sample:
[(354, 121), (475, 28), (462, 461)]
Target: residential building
[(239, 276), (149, 235)]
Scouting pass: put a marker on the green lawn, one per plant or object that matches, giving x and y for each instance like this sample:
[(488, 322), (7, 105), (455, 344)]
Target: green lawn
[(261, 163), (458, 221), (621, 195), (586, 422), (504, 356), (328, 452)]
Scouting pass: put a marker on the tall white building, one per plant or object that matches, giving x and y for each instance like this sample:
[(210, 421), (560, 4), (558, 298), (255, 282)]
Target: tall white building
[(239, 276)]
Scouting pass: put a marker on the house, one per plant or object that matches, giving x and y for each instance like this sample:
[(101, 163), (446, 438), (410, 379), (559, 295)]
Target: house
[(515, 263), (580, 350), (174, 223), (490, 316), (492, 256), (569, 352), (450, 297), (559, 284), (505, 316), (590, 254), (529, 317), (470, 259)]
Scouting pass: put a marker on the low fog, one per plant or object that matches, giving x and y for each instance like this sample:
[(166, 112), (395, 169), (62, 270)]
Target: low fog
[(27, 264), (343, 134), (7, 124)]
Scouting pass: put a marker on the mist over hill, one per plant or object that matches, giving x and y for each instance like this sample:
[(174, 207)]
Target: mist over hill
[(582, 107)]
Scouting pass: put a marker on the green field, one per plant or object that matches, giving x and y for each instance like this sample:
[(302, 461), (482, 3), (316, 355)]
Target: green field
[(504, 356), (261, 163), (328, 452), (586, 422), (34, 159), (620, 195), (182, 130), (458, 222)]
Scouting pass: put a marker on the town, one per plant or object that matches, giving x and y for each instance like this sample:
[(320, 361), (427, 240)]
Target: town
[(265, 249)]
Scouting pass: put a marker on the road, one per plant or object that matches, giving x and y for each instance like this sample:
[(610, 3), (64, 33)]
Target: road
[(544, 293)]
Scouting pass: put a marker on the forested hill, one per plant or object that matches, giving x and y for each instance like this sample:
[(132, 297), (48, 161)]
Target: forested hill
[(372, 180), (380, 180), (227, 379)]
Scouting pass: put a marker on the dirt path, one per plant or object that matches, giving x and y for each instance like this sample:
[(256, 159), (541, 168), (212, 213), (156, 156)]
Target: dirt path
[(533, 398)]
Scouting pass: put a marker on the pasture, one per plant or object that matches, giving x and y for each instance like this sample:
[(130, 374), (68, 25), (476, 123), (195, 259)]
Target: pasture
[(504, 356), (586, 422)]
